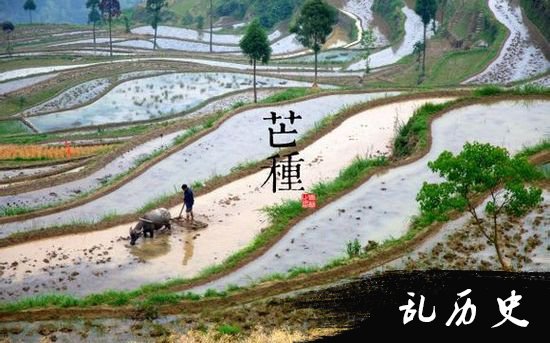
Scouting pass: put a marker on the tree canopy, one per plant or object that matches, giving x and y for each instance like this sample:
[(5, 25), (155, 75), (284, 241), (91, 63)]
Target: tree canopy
[(110, 8), (93, 16), (29, 5), (255, 43), (480, 169), (8, 27), (426, 9), (314, 23)]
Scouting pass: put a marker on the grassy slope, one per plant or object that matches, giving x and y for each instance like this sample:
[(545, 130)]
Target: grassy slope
[(445, 66), (390, 11), (538, 11), (11, 127)]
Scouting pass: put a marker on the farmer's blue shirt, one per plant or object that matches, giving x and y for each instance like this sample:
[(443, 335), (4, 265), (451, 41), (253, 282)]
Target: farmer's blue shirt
[(188, 197)]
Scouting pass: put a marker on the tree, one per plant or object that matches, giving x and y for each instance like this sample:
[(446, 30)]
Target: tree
[(313, 26), (426, 9), (30, 6), (154, 7), (255, 45), (368, 44), (211, 24), (110, 9), (93, 16), (200, 26), (481, 169), (418, 49), (200, 23), (8, 28), (126, 24)]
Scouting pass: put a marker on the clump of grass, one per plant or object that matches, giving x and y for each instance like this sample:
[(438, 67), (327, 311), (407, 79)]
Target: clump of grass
[(227, 329), (243, 165), (530, 89), (488, 90), (286, 95), (237, 104), (347, 177), (532, 150), (186, 135), (353, 248), (109, 215), (212, 293), (8, 211), (414, 134)]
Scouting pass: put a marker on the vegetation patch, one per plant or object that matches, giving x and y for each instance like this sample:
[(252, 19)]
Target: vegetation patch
[(13, 127), (390, 11)]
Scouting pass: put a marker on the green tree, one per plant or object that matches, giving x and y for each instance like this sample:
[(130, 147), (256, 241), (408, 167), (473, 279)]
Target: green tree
[(200, 23), (200, 26), (154, 7), (313, 25), (426, 9), (481, 169), (126, 24), (211, 23), (418, 49), (30, 6), (255, 45), (8, 28), (93, 16), (368, 45), (110, 9)]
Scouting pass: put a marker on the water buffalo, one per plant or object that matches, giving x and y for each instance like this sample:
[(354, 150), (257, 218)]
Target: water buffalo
[(154, 220)]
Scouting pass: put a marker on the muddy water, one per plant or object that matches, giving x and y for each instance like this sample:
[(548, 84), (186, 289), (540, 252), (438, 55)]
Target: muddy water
[(12, 86), (242, 138), (6, 175), (536, 222), (233, 213), (120, 165), (17, 73), (383, 206), (154, 97)]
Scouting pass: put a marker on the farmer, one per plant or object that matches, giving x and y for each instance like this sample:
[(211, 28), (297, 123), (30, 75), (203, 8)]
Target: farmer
[(188, 201)]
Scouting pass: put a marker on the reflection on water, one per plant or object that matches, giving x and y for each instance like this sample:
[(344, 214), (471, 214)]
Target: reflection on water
[(150, 248)]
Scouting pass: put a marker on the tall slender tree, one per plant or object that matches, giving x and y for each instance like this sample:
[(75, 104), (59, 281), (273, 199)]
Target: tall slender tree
[(154, 7), (110, 9), (313, 26), (93, 16), (30, 6), (211, 23), (426, 9), (255, 45), (368, 44), (8, 28)]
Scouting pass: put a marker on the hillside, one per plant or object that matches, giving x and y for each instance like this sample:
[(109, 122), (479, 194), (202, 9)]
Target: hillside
[(51, 11)]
